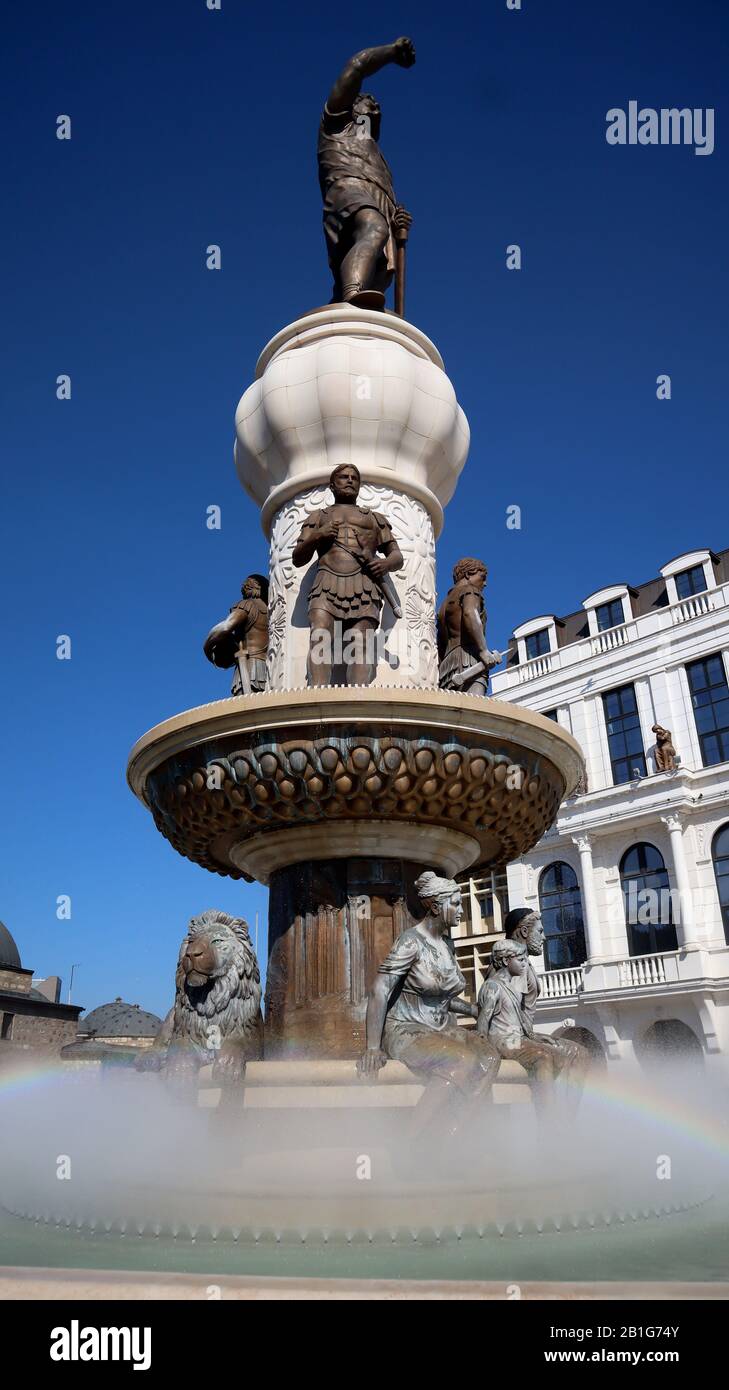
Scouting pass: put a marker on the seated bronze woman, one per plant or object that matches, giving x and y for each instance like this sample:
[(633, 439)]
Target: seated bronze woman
[(412, 1008)]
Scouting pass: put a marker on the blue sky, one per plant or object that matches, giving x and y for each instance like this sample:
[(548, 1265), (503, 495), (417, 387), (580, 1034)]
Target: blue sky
[(192, 127)]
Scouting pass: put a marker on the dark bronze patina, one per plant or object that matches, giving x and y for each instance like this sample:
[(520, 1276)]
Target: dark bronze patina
[(241, 640), (351, 581), (364, 225), (465, 660), (665, 749), (411, 1016), (506, 1007)]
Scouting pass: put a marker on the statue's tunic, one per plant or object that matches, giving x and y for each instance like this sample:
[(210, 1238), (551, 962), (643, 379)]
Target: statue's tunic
[(456, 648), (353, 174), (252, 633), (340, 585), (509, 1023), (419, 1028)]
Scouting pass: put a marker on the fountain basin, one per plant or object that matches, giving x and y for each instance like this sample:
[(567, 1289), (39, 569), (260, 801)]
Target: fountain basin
[(245, 786)]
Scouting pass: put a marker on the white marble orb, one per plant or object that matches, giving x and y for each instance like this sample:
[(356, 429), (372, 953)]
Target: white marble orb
[(347, 385)]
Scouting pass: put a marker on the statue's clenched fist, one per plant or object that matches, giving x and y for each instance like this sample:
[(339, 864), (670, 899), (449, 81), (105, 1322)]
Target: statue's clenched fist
[(404, 52)]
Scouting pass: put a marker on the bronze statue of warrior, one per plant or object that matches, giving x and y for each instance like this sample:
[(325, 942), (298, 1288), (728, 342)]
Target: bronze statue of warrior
[(465, 660), (241, 640), (351, 581), (362, 218)]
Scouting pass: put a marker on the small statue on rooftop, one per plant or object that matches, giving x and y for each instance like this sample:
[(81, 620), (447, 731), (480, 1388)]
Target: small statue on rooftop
[(665, 750), (465, 660), (241, 640)]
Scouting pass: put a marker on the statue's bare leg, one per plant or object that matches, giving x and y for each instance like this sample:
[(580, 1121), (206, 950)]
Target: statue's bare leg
[(370, 235), (361, 639), (321, 647)]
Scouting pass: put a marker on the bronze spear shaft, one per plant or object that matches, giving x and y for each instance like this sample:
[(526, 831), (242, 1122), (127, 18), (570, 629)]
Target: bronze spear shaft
[(400, 244)]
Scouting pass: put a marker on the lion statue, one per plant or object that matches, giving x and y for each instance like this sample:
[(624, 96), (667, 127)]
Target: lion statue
[(216, 1016)]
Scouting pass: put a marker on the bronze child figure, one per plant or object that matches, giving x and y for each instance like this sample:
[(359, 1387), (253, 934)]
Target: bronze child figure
[(505, 1018)]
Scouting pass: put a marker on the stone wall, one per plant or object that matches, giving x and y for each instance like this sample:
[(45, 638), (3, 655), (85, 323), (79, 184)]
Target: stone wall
[(43, 1034), (17, 980)]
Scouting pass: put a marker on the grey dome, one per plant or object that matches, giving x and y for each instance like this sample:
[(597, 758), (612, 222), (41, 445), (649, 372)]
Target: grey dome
[(120, 1020), (9, 953)]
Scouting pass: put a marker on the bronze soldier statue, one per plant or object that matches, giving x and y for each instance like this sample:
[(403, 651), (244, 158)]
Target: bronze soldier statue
[(362, 218), (350, 583), (465, 660), (241, 640)]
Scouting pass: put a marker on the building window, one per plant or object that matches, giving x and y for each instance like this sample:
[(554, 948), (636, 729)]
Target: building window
[(6, 1027), (625, 739), (648, 903), (710, 699), (537, 643), (551, 714), (560, 904), (720, 855), (485, 905), (691, 581), (609, 614)]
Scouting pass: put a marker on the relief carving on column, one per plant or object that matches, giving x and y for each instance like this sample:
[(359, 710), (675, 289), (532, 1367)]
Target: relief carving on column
[(284, 580)]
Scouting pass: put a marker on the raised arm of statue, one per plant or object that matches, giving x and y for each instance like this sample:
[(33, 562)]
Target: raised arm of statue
[(364, 64)]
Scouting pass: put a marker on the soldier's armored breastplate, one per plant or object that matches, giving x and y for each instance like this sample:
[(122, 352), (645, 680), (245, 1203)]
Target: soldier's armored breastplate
[(352, 539)]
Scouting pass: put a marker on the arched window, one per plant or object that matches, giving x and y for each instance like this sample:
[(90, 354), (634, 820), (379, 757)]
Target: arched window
[(720, 855), (588, 1041), (648, 902), (669, 1041), (561, 908)]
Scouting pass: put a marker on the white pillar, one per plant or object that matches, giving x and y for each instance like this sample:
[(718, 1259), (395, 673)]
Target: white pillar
[(684, 925), (593, 941)]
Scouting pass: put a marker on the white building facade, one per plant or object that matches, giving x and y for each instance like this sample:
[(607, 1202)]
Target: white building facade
[(632, 882)]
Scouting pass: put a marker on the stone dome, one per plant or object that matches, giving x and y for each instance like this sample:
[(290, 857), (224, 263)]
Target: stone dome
[(9, 953), (120, 1020)]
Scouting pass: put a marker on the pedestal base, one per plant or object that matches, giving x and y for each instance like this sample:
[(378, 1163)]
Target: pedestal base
[(330, 924)]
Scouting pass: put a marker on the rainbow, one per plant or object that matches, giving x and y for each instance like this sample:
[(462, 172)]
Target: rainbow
[(635, 1095), (629, 1095)]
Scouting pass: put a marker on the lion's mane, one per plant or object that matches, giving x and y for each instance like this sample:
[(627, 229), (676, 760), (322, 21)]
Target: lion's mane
[(230, 1002)]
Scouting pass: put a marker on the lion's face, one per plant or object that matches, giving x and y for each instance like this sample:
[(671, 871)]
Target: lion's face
[(206, 955)]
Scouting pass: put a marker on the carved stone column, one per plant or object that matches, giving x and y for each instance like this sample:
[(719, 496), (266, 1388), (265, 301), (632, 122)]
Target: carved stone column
[(593, 934), (683, 919)]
